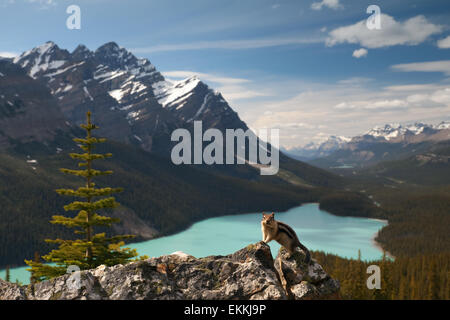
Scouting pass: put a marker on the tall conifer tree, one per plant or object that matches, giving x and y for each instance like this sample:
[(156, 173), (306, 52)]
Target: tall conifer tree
[(92, 249)]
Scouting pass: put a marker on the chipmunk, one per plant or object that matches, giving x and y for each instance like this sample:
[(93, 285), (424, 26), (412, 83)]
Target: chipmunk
[(281, 233)]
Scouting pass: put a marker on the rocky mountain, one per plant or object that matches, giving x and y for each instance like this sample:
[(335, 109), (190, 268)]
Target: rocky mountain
[(28, 112), (431, 168), (319, 149), (131, 101), (408, 133), (385, 143), (248, 274)]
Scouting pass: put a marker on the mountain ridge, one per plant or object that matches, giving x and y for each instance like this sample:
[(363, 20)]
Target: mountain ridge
[(133, 103), (381, 143), (126, 94)]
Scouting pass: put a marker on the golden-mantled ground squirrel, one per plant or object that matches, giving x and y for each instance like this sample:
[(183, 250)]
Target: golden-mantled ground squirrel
[(281, 233)]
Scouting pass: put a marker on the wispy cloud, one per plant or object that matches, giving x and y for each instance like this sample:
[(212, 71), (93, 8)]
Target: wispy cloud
[(429, 66), (7, 54), (412, 87), (412, 31), (331, 4), (42, 4), (228, 44), (355, 81), (205, 76)]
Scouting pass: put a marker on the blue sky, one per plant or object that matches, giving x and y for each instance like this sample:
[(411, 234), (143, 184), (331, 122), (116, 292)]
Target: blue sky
[(311, 68)]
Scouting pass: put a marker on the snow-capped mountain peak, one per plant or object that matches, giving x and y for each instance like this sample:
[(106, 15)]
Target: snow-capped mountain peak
[(126, 94), (443, 125), (320, 148), (396, 130), (81, 52), (115, 57), (389, 133), (42, 59)]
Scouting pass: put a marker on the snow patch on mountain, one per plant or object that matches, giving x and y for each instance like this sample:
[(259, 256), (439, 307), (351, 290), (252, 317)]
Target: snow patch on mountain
[(61, 71), (127, 88), (88, 94), (169, 93), (202, 107), (108, 75)]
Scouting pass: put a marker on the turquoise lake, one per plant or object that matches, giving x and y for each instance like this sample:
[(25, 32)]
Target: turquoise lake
[(316, 229)]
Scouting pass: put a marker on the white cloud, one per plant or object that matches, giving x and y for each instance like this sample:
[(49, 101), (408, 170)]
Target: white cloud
[(276, 6), (43, 4), (429, 66), (410, 32), (441, 96), (332, 4), (349, 110), (344, 106), (417, 98), (7, 54), (354, 81), (294, 125), (387, 104), (360, 53), (444, 43), (412, 87), (228, 44), (234, 93)]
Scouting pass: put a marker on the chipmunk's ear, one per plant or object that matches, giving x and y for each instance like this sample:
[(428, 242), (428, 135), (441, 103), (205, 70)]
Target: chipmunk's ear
[(273, 214)]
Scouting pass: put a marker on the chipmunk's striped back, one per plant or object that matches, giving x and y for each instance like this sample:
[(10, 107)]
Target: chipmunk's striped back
[(283, 234)]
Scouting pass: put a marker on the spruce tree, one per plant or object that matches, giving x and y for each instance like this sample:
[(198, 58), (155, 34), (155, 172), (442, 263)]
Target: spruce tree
[(92, 249)]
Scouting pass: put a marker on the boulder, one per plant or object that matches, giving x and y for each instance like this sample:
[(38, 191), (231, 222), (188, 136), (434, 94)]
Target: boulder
[(304, 281), (248, 274)]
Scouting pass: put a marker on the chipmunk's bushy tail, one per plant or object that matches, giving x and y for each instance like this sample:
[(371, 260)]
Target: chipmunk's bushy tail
[(306, 251)]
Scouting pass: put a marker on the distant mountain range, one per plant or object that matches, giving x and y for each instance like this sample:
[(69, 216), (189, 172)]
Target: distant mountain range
[(381, 143), (319, 149), (396, 132)]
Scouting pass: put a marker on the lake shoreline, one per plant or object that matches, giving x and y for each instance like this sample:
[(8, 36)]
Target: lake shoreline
[(380, 247), (191, 223), (247, 230)]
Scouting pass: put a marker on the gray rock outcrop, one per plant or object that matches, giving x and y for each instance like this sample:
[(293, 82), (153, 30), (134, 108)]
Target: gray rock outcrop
[(303, 281), (250, 273)]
